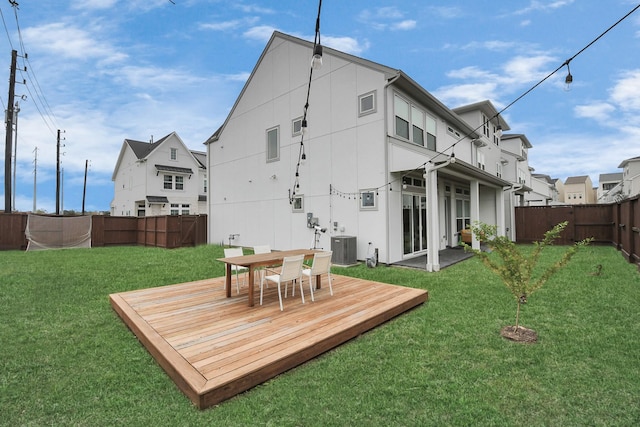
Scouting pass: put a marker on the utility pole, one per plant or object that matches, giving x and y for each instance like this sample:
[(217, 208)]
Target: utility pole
[(58, 174), (8, 150), (15, 156), (84, 190), (35, 173)]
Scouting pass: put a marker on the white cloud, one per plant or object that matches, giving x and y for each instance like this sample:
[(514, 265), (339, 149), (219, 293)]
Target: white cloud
[(542, 6), (407, 24), (384, 18), (626, 92), (345, 44), (229, 25), (600, 111), (260, 33), (463, 94)]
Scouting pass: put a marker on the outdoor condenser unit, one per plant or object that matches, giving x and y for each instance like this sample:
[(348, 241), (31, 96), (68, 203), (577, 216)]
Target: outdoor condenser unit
[(344, 250)]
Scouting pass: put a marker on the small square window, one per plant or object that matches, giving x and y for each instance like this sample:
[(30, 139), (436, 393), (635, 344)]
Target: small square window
[(297, 203), (368, 200), (367, 103), (296, 127)]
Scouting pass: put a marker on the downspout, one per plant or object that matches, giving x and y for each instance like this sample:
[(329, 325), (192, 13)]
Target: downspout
[(433, 223), (386, 158)]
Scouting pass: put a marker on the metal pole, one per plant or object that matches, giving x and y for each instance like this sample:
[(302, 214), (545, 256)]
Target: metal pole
[(15, 156), (9, 133), (84, 190), (58, 174), (35, 173)]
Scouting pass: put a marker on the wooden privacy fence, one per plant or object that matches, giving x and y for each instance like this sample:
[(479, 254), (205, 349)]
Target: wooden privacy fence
[(162, 231), (616, 223)]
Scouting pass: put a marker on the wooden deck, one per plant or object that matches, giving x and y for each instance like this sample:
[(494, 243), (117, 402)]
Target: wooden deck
[(215, 347)]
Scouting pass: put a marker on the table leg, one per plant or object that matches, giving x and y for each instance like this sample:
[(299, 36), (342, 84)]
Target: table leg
[(227, 281), (251, 283), (318, 281)]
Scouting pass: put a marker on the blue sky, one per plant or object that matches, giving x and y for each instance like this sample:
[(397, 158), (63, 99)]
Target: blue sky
[(107, 70)]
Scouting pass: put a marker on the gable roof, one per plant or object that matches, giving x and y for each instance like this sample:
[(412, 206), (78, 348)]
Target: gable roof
[(392, 75), (617, 176), (522, 137), (582, 179), (632, 159), (487, 109)]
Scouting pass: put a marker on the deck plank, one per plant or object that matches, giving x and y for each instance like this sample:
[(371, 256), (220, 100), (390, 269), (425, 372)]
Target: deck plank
[(215, 347)]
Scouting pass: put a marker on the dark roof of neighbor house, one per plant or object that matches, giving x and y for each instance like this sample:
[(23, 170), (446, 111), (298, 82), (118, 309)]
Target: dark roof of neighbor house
[(582, 179), (157, 199), (604, 177)]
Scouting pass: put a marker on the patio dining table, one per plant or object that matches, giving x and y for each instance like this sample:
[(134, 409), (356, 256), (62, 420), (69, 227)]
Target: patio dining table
[(262, 260)]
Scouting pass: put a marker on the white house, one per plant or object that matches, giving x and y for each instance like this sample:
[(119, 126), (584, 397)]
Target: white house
[(630, 176), (382, 160), (609, 187), (159, 178)]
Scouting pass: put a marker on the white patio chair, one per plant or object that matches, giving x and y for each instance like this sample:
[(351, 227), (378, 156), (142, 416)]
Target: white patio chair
[(233, 252), (321, 265), (261, 249), (291, 270)]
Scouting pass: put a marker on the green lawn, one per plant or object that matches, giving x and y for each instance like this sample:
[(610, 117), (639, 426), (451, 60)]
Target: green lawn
[(66, 358)]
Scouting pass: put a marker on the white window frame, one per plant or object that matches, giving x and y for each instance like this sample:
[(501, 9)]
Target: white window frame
[(417, 118), (481, 160), (369, 199), (296, 126), (173, 154), (297, 203), (167, 181), (273, 157), (179, 182), (373, 109)]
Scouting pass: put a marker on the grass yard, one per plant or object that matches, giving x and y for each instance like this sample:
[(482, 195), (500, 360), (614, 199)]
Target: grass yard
[(67, 359)]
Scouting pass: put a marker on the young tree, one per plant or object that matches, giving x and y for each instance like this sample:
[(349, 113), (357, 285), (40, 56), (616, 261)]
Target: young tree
[(517, 268)]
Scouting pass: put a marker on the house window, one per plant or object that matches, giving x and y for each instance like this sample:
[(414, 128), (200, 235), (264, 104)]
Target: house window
[(485, 126), (463, 214), (481, 160), (499, 169), (174, 154), (431, 132), (273, 144), (368, 200), (296, 127), (417, 121), (185, 209), (422, 125), (205, 184), (402, 117), (297, 204), (168, 182), (367, 103), (179, 182), (175, 209)]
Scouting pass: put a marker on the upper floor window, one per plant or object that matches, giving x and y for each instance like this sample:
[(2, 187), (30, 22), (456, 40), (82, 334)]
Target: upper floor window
[(367, 103), (205, 184), (168, 182), (174, 154), (273, 144), (481, 160), (179, 182), (499, 169), (422, 125), (485, 126)]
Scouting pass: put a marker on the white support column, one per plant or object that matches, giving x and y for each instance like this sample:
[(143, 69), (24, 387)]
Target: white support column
[(500, 212), (433, 220), (474, 187)]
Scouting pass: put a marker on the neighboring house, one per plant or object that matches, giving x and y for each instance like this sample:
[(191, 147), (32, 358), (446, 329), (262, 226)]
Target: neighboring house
[(384, 160), (630, 177), (559, 186), (578, 190), (159, 178), (543, 191), (514, 158), (609, 187)]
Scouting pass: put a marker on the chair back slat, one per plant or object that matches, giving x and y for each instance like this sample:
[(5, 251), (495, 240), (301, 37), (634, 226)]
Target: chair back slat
[(291, 268), (232, 252), (262, 249), (321, 263)]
